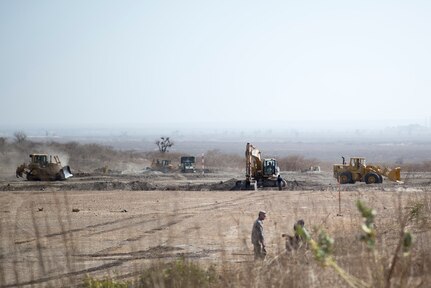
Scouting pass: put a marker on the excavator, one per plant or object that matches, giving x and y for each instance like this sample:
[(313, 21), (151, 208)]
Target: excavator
[(259, 172), (358, 171)]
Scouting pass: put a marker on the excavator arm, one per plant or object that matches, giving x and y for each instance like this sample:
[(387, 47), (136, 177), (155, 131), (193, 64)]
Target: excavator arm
[(253, 161)]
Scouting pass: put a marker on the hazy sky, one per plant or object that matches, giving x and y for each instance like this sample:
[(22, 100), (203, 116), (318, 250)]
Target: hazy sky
[(149, 62)]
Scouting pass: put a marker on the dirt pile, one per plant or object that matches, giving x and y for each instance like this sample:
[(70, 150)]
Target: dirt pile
[(194, 182)]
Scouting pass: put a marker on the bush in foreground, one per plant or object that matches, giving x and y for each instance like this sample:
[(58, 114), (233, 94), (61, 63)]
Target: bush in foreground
[(178, 274)]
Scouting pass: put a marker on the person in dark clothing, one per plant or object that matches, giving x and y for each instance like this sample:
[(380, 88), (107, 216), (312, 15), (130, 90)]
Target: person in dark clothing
[(296, 241)]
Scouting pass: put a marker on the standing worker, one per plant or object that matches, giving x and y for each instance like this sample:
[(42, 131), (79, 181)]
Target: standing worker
[(257, 237)]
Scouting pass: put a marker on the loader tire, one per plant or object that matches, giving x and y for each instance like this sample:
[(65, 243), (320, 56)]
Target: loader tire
[(345, 177), (380, 179), (372, 178)]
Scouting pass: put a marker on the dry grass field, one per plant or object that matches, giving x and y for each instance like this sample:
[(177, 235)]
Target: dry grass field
[(53, 237), (119, 225)]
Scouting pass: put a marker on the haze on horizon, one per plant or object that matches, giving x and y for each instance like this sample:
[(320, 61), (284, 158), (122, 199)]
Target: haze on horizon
[(227, 63)]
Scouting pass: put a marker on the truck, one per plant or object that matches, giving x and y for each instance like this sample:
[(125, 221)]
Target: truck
[(358, 171), (43, 167), (187, 164)]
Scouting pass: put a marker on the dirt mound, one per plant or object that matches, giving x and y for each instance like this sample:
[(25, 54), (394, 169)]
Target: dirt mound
[(224, 185), (193, 182), (219, 186), (84, 186), (111, 185)]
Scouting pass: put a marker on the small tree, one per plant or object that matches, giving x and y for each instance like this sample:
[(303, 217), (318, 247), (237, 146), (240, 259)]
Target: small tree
[(164, 143), (20, 136)]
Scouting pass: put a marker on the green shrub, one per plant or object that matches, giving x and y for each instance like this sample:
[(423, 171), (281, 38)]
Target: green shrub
[(104, 283), (176, 274)]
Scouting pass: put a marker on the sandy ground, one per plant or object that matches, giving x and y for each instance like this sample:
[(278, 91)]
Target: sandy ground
[(56, 232)]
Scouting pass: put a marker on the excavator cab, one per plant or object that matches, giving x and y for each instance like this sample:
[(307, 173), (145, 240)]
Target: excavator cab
[(270, 167)]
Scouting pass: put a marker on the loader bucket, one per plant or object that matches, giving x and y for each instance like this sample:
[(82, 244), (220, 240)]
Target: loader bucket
[(66, 172), (395, 174)]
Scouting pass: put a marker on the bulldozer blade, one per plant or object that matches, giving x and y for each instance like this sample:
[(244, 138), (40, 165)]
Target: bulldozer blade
[(20, 170), (66, 172)]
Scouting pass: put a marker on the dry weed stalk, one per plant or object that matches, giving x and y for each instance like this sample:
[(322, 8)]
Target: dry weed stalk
[(323, 248)]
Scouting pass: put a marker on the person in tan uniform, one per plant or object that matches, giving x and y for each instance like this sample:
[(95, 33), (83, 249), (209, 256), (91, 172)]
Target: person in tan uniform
[(258, 238)]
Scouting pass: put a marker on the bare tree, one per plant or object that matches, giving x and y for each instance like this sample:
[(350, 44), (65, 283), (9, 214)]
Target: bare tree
[(164, 143), (20, 136)]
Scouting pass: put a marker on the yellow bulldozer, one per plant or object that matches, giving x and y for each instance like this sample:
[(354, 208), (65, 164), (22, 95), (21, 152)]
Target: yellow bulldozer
[(358, 171), (43, 168), (162, 165)]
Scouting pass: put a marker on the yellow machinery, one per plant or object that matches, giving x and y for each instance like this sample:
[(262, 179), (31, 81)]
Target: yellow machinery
[(358, 170), (259, 172), (42, 169), (163, 165)]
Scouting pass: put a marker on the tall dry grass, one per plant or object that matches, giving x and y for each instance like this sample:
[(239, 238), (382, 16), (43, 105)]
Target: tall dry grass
[(31, 258)]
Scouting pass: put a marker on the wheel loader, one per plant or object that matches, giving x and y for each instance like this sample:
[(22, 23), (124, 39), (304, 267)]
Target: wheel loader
[(42, 169), (259, 172), (358, 171)]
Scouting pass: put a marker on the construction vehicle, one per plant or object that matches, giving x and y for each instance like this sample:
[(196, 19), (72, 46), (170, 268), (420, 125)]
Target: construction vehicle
[(187, 164), (312, 169), (163, 165), (40, 169), (259, 172), (358, 171)]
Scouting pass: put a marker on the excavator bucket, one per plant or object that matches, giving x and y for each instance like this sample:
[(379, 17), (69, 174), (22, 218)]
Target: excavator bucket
[(395, 174)]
